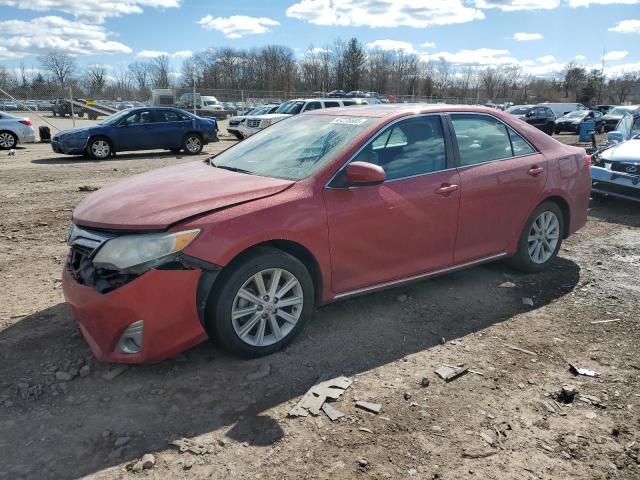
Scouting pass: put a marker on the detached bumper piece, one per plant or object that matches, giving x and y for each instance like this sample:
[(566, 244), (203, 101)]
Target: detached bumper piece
[(616, 184)]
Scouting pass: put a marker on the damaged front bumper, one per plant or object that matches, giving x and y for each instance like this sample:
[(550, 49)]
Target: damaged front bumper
[(616, 184)]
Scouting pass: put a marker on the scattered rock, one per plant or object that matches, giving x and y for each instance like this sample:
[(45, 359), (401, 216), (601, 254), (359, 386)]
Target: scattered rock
[(148, 461), (63, 376), (363, 463), (590, 415), (112, 373), (478, 453), (85, 371), (121, 441), (402, 298), (425, 382), (566, 394), (369, 407), (264, 370), (507, 285), (87, 188), (448, 373), (407, 395), (412, 472), (365, 429)]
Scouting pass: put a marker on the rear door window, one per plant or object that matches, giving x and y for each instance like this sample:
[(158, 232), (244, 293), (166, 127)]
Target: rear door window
[(331, 104), (313, 106), (481, 138)]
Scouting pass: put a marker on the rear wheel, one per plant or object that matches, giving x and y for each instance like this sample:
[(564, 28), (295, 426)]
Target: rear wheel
[(99, 148), (8, 140), (261, 304), (192, 144), (541, 239)]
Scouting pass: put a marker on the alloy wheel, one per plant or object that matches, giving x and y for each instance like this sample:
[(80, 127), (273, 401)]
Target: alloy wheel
[(7, 140), (543, 237), (267, 307), (100, 149), (193, 144)]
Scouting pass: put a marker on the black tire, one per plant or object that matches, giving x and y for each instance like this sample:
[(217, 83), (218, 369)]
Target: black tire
[(522, 259), (93, 151), (192, 144), (9, 140), (556, 131), (218, 316), (93, 116)]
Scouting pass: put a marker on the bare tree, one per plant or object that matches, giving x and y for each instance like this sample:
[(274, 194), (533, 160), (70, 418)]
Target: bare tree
[(60, 65), (622, 87), (96, 79), (160, 71), (140, 71)]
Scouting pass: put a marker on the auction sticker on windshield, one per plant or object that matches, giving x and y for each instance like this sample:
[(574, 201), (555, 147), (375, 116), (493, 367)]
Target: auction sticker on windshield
[(349, 121)]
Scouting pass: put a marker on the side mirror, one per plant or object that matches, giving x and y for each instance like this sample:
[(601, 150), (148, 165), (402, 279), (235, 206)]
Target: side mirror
[(615, 137), (364, 173)]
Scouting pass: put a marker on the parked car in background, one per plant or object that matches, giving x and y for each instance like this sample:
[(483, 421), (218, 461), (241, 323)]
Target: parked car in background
[(615, 170), (145, 128), (62, 107), (8, 105), (541, 117), (15, 130), (561, 109), (519, 111), (325, 206), (614, 116), (604, 108), (234, 122), (572, 121), (254, 123), (337, 94), (356, 94)]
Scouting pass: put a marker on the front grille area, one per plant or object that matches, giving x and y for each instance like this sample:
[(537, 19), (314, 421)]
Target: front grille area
[(253, 123), (80, 265), (628, 168), (613, 189)]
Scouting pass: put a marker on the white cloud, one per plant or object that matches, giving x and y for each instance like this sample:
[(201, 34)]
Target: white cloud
[(427, 45), (238, 26), (587, 3), (513, 5), (617, 70), (405, 47), (527, 37), (627, 26), (94, 10), (615, 55), (44, 34), (160, 53), (546, 59), (383, 13), (480, 56), (580, 58)]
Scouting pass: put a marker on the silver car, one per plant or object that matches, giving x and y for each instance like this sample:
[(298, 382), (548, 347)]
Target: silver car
[(615, 170), (14, 130)]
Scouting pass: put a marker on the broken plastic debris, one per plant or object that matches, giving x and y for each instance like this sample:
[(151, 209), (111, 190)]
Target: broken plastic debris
[(448, 373), (527, 301), (313, 401), (582, 371)]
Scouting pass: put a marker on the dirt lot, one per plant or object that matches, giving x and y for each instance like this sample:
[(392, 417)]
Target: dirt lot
[(65, 415)]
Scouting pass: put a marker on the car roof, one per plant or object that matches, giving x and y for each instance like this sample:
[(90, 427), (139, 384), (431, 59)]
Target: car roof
[(399, 109)]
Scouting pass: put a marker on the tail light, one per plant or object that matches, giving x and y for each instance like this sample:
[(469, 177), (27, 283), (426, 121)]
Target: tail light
[(587, 160), (26, 122)]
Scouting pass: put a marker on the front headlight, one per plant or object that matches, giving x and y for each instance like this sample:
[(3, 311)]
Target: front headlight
[(137, 253)]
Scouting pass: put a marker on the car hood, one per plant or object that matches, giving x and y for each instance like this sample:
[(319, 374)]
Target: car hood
[(158, 199), (77, 131), (628, 151)]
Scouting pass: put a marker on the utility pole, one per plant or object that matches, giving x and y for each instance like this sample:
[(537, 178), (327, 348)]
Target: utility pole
[(604, 49)]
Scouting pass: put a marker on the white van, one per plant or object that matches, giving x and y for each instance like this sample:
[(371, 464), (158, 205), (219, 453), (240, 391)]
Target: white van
[(254, 123), (561, 109)]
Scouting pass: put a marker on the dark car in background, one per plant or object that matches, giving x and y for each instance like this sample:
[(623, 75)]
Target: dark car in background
[(604, 108), (138, 129), (337, 94), (572, 121), (541, 117), (612, 118), (519, 111)]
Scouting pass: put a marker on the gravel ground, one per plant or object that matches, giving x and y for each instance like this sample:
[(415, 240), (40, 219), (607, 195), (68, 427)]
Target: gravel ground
[(65, 415)]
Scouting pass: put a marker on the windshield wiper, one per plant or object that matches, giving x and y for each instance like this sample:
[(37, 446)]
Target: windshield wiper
[(227, 167)]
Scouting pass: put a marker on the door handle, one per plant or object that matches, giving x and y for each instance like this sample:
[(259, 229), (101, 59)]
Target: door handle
[(446, 189), (535, 171)]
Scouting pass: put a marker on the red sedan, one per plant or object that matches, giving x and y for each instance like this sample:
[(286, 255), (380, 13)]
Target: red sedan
[(319, 207)]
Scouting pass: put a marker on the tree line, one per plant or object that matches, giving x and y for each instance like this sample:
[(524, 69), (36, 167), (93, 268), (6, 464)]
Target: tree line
[(344, 65)]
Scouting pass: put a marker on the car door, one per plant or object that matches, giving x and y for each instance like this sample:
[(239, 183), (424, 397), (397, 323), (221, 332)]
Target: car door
[(135, 132), (502, 176), (171, 127), (405, 226)]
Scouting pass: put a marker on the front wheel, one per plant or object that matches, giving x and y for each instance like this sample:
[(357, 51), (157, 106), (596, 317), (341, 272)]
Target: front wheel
[(8, 140), (541, 239), (99, 148), (192, 144), (261, 304)]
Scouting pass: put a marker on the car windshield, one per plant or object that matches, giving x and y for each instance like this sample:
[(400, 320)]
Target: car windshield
[(291, 107), (518, 110), (115, 118), (577, 114), (294, 148), (620, 110)]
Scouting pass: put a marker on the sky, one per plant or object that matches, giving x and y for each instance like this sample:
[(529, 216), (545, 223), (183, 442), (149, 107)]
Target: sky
[(540, 35)]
